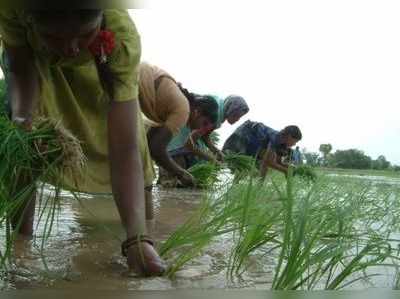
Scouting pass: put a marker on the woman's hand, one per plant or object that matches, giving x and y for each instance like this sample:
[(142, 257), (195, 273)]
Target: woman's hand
[(144, 260), (22, 122), (220, 155), (196, 134), (186, 178), (128, 184), (23, 81)]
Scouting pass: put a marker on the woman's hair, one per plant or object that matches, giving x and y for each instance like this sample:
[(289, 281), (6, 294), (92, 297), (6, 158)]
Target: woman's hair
[(79, 17), (206, 105), (50, 17), (292, 131)]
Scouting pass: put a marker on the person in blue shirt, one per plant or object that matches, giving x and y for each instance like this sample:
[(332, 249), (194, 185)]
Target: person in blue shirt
[(296, 156), (265, 144)]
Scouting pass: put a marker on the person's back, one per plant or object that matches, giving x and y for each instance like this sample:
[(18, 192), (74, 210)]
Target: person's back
[(161, 99), (260, 139), (249, 138), (236, 142)]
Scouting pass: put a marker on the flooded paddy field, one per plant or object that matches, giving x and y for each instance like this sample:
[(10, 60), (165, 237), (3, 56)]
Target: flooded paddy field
[(83, 250)]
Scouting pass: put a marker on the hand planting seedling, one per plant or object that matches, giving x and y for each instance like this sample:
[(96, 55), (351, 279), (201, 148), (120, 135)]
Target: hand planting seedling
[(206, 174), (306, 172), (239, 163)]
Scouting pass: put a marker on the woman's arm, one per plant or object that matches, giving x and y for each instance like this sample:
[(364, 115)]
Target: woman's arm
[(126, 166), (279, 160), (270, 160), (158, 138), (128, 184), (23, 93), (23, 83), (212, 147), (191, 145)]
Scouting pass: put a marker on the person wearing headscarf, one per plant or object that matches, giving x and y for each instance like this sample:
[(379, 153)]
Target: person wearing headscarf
[(231, 109), (197, 141), (234, 107)]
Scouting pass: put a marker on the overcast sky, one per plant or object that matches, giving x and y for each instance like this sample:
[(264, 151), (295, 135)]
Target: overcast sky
[(331, 67)]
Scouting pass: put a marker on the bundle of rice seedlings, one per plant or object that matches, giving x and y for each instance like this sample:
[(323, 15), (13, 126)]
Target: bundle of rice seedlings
[(306, 172), (28, 159), (59, 147), (240, 163), (206, 174)]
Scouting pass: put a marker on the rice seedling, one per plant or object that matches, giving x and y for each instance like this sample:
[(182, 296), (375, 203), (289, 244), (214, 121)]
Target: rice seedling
[(28, 160), (240, 164), (205, 173), (219, 214), (2, 96), (307, 172), (325, 235), (322, 244)]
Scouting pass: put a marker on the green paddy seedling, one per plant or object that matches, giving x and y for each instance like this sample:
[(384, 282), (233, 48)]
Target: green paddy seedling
[(327, 235), (29, 159)]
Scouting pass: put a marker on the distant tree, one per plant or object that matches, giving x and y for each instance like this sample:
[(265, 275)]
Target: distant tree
[(311, 158), (351, 159), (396, 168), (325, 149), (380, 163)]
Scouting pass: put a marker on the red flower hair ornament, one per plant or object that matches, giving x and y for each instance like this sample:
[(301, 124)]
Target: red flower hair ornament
[(103, 45)]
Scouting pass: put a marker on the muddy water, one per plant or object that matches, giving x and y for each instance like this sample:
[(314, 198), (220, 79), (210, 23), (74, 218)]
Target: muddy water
[(375, 179), (83, 251)]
